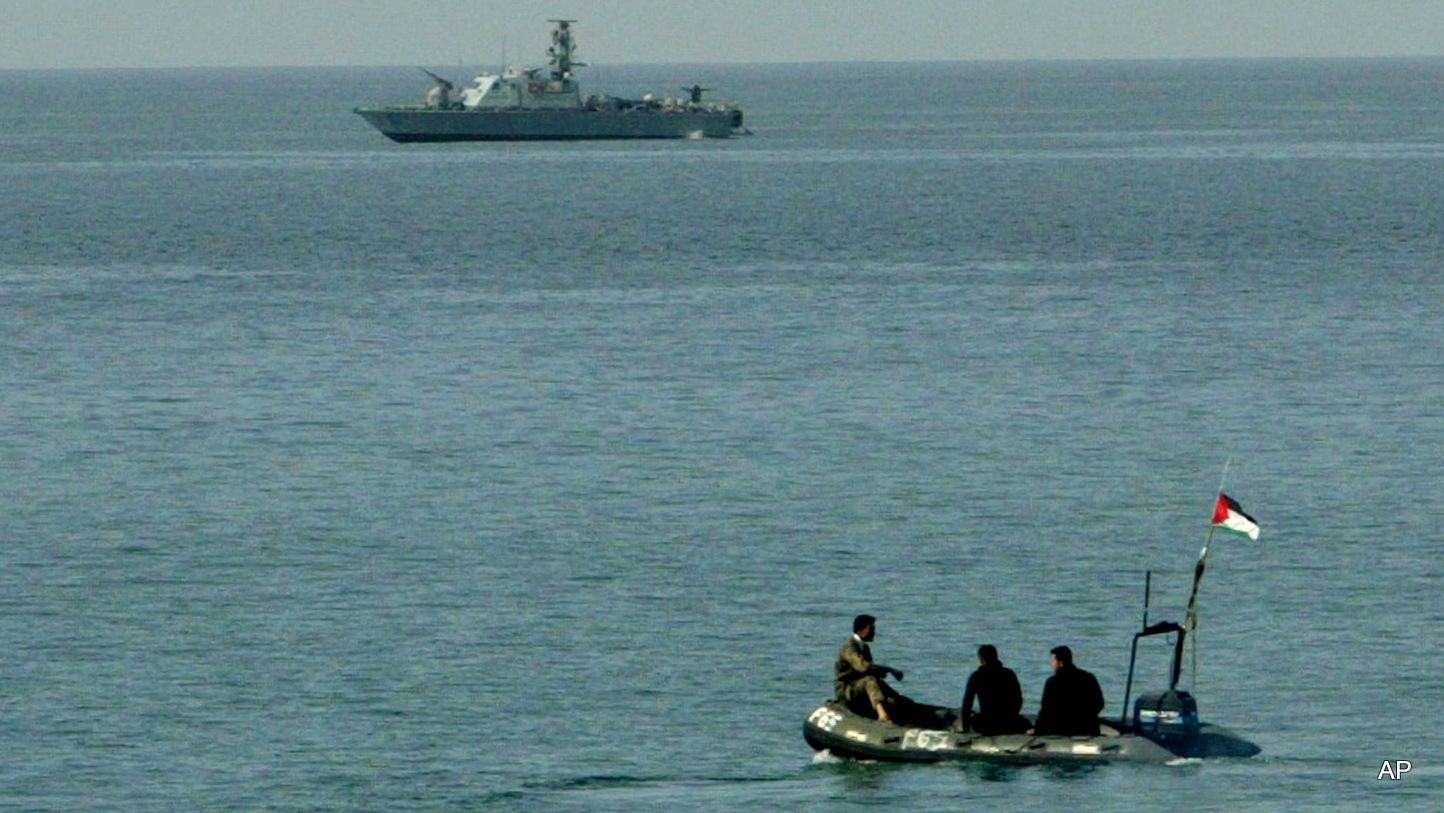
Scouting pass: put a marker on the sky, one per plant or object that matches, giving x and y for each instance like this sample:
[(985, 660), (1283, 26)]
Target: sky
[(233, 33)]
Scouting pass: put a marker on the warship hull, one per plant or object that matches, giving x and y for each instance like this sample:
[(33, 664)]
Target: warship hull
[(419, 124)]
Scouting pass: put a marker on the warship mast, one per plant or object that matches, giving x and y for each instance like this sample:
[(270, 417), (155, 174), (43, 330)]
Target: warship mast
[(561, 51)]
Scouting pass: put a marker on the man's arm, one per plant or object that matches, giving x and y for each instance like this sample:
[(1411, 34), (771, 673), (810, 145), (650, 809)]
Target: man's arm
[(859, 663), (863, 666), (1015, 693), (968, 694), (1040, 726), (1096, 702)]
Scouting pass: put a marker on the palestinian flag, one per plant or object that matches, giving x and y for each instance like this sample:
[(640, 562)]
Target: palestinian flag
[(1228, 515)]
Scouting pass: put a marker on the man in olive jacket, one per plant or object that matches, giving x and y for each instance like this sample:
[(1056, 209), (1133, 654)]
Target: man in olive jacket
[(856, 676)]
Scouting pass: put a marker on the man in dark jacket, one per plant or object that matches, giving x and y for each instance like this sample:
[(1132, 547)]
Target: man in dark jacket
[(1072, 700), (999, 697)]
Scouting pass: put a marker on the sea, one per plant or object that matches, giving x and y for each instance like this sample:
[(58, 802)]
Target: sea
[(344, 475)]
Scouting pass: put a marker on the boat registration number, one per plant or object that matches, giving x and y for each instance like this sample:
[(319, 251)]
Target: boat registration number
[(925, 740), (824, 718)]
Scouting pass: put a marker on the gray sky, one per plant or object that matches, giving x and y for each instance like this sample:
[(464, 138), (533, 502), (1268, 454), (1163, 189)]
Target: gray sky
[(168, 33)]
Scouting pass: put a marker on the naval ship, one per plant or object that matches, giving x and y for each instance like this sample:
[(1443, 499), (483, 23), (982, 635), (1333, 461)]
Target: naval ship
[(529, 104)]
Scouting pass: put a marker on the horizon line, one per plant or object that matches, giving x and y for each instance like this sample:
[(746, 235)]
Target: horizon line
[(756, 63)]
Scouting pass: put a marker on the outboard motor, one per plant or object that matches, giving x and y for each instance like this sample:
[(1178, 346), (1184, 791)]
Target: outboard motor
[(1168, 718)]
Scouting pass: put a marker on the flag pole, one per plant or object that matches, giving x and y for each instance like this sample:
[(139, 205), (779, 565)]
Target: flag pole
[(1190, 616)]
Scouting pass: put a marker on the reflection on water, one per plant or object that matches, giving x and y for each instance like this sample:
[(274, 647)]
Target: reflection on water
[(997, 773)]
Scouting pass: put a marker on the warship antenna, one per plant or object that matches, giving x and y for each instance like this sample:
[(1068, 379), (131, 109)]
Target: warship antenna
[(561, 51)]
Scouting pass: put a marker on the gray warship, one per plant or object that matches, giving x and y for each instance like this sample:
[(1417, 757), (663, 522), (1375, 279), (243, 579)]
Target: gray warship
[(528, 104)]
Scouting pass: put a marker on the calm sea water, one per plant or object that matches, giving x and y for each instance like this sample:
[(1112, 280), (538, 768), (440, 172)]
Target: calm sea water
[(345, 475)]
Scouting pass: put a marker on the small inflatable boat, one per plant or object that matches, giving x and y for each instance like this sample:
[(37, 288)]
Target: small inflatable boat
[(1165, 735), (1164, 727)]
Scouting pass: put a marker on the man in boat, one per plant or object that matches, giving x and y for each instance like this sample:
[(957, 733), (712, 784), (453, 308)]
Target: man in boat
[(858, 679), (999, 697), (1071, 701)]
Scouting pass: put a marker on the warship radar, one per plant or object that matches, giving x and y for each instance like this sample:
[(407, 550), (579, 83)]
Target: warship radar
[(536, 104)]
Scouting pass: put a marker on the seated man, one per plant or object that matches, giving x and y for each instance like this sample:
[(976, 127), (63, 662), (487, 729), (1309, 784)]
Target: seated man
[(999, 697), (1072, 700), (859, 681)]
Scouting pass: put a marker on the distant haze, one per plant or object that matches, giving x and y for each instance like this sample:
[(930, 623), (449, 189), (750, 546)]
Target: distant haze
[(181, 33)]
